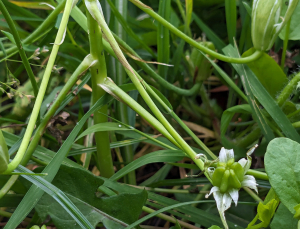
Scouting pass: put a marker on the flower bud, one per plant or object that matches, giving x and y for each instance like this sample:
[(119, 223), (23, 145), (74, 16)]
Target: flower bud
[(267, 23), (265, 18)]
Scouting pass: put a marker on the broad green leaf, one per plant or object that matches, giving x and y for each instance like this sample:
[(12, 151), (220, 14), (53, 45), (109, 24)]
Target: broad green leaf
[(189, 213), (34, 193), (231, 19), (265, 213), (158, 156), (184, 165), (81, 186), (282, 167), (295, 26), (107, 126), (283, 218), (267, 70), (215, 227), (56, 194)]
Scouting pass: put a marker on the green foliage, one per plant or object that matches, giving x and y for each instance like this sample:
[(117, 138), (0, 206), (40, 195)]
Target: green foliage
[(285, 151), (81, 187), (182, 93)]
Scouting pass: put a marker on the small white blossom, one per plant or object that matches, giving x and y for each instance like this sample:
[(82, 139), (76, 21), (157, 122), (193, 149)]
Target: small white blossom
[(223, 200)]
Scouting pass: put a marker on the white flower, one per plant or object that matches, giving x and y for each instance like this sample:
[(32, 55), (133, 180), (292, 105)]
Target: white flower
[(223, 200)]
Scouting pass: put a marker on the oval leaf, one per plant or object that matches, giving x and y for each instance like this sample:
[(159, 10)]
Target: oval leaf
[(283, 169)]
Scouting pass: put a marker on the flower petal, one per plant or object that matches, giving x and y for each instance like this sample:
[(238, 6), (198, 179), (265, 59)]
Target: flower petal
[(225, 155), (214, 189), (210, 171), (234, 193), (246, 164), (250, 182), (226, 202)]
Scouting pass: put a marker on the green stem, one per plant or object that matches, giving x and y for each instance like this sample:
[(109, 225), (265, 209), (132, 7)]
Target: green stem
[(19, 45), (257, 174), (285, 44), (122, 114), (84, 66), (252, 194), (99, 75), (170, 219), (191, 41), (93, 8), (288, 90), (8, 185), (33, 118), (164, 83), (120, 95), (44, 28), (120, 13)]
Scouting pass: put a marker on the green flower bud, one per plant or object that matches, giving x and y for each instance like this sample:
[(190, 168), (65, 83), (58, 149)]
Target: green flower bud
[(266, 22), (265, 18), (228, 175)]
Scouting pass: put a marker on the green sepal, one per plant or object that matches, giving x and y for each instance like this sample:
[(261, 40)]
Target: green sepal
[(218, 176), (225, 182), (234, 181)]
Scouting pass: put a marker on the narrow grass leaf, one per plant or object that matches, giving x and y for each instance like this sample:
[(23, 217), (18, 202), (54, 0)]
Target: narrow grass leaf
[(158, 156)]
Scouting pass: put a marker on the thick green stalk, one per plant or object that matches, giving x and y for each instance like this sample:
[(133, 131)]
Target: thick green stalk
[(15, 33), (191, 41), (31, 124), (122, 114), (98, 76), (44, 28)]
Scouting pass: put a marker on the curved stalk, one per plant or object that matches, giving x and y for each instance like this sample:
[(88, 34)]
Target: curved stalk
[(31, 124), (192, 42)]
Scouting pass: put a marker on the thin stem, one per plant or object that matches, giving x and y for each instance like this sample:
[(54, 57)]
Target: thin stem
[(15, 33), (8, 185), (285, 44), (170, 219), (252, 194), (164, 83), (86, 63), (191, 41), (58, 41)]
